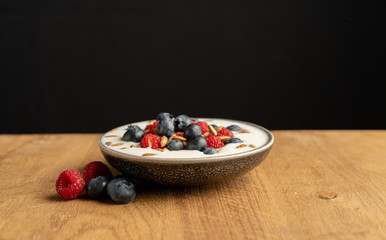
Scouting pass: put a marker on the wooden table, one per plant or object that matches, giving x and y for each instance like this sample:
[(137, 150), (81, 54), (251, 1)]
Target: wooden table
[(312, 185)]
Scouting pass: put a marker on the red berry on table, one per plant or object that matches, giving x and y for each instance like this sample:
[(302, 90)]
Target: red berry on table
[(151, 140), (95, 169), (70, 184), (214, 142)]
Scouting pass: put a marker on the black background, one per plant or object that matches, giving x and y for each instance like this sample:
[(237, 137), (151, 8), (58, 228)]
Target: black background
[(89, 66)]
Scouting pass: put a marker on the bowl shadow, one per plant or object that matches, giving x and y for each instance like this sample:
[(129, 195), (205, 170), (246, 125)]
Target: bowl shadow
[(155, 192)]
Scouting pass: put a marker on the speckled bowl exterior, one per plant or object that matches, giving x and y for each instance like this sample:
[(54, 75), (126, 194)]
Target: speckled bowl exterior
[(188, 172)]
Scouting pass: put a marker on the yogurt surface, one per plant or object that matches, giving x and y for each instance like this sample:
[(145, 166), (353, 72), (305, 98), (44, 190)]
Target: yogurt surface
[(252, 137)]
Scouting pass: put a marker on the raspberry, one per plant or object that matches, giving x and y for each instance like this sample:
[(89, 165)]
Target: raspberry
[(151, 140), (181, 134), (204, 127), (148, 127), (152, 128), (225, 132), (95, 169), (214, 142), (70, 184)]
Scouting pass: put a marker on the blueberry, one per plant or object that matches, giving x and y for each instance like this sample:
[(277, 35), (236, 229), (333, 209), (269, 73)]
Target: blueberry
[(192, 130), (196, 143), (133, 134), (234, 127), (175, 145), (210, 150), (163, 115), (165, 127), (121, 190), (181, 122), (96, 187), (214, 125), (233, 140)]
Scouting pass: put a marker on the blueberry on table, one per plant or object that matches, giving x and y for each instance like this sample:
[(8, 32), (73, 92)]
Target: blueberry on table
[(210, 150), (192, 130), (197, 143), (234, 127), (165, 127), (121, 190), (233, 140), (96, 187), (214, 125), (163, 115), (181, 122), (133, 134), (175, 145)]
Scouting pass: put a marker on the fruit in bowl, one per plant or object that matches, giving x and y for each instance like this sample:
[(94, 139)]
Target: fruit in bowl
[(186, 151)]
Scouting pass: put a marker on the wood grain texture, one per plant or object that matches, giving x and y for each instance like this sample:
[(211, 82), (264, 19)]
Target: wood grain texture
[(313, 185)]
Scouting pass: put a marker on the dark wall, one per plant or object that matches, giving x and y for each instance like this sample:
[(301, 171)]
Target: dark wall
[(88, 66)]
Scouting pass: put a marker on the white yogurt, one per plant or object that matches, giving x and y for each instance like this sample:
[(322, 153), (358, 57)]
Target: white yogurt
[(255, 138)]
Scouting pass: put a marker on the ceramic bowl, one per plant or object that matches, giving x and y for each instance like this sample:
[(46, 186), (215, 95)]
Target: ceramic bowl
[(188, 171)]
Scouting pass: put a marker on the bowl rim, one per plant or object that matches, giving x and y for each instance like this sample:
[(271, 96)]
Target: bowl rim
[(179, 161)]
